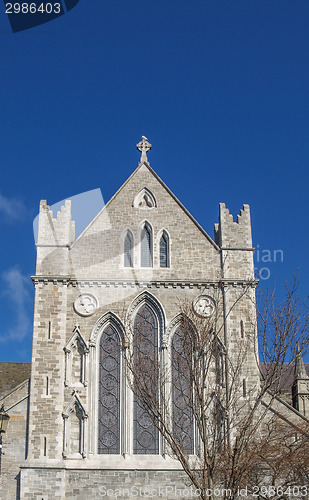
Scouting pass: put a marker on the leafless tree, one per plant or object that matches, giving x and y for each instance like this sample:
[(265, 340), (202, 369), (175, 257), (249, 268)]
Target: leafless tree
[(225, 434)]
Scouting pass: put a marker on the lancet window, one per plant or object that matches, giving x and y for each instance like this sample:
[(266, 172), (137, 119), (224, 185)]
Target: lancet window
[(109, 391), (145, 433), (146, 246), (182, 392), (128, 250), (164, 250)]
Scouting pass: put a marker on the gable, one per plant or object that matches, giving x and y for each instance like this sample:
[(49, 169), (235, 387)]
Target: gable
[(12, 375), (98, 252)]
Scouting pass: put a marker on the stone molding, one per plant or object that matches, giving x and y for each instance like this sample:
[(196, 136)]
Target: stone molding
[(84, 282), (75, 402), (145, 199), (174, 324), (108, 318), (76, 337), (146, 298)]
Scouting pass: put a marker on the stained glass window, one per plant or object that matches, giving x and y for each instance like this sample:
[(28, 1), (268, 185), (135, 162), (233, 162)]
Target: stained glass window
[(109, 392), (164, 250), (146, 435), (146, 252), (128, 251), (183, 425)]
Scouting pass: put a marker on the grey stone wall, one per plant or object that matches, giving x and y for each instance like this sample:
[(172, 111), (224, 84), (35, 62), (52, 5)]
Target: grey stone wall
[(14, 441), (47, 371), (47, 484), (94, 264)]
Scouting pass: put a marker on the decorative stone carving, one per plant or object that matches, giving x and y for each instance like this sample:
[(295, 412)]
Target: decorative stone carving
[(144, 199), (144, 298), (204, 306), (76, 353), (86, 304), (144, 146), (75, 443)]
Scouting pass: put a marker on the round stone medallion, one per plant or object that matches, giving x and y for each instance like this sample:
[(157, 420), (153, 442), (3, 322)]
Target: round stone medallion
[(86, 304), (204, 306)]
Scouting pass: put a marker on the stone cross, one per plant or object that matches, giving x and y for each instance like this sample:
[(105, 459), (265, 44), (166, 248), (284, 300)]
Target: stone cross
[(143, 146)]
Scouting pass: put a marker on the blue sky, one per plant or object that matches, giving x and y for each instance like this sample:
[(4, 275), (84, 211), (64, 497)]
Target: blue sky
[(220, 89)]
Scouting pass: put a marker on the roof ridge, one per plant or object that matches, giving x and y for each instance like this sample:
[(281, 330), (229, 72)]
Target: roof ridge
[(158, 178)]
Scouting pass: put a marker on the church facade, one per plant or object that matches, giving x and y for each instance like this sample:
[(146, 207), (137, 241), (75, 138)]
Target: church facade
[(142, 255)]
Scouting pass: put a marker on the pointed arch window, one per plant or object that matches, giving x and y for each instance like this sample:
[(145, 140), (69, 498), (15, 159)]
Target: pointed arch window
[(164, 250), (109, 392), (146, 246), (128, 250), (182, 392), (145, 434)]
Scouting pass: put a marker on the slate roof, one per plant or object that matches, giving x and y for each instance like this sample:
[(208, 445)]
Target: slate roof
[(13, 374), (286, 381)]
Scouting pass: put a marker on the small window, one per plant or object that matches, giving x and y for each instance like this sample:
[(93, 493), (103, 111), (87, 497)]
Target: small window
[(244, 388), (128, 250), (146, 244), (164, 251), (242, 330)]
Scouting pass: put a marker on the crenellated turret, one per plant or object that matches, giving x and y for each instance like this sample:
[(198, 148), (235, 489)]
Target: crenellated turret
[(55, 235), (235, 241), (232, 234)]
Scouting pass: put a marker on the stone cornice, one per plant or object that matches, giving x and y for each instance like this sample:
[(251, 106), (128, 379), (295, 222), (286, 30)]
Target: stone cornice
[(56, 280), (250, 283), (86, 282)]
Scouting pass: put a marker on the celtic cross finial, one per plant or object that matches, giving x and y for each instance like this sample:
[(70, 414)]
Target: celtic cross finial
[(143, 146)]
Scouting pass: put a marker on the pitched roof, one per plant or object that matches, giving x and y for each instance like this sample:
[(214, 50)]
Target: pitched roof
[(13, 374), (155, 175), (288, 375)]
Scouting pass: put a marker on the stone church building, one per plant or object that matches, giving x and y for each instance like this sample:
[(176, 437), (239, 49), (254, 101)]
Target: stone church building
[(75, 424)]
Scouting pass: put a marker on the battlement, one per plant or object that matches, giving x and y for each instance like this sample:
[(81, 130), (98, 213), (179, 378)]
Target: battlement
[(232, 234), (55, 231)]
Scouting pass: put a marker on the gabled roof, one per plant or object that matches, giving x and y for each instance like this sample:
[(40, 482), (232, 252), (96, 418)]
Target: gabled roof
[(12, 375), (287, 379), (146, 164)]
